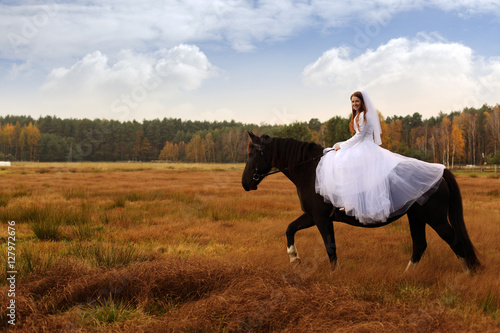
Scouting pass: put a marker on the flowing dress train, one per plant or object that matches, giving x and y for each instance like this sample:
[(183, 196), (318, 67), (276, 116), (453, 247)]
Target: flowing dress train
[(370, 182)]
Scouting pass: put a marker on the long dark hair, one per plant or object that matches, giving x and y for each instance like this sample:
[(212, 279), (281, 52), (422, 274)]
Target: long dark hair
[(359, 95)]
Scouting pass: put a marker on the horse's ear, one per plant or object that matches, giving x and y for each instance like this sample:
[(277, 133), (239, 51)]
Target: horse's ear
[(255, 139)]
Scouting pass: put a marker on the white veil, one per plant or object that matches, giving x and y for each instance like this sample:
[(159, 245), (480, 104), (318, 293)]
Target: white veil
[(372, 117)]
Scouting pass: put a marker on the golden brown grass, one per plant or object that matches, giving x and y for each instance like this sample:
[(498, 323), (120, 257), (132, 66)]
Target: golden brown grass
[(176, 248)]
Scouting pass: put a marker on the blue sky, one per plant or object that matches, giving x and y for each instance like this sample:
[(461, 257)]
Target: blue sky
[(268, 61)]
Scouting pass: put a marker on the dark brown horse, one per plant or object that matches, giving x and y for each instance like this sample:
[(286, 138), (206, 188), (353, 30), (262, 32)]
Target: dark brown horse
[(298, 161)]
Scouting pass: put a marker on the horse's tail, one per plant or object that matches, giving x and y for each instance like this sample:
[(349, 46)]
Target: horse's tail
[(456, 217)]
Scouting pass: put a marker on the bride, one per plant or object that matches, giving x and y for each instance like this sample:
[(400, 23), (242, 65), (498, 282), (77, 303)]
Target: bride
[(370, 182)]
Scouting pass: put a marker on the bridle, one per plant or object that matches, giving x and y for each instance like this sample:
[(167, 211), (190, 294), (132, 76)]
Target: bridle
[(256, 175), (259, 177)]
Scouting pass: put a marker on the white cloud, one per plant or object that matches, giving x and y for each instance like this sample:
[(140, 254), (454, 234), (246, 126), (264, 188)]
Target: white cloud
[(466, 7), (55, 42), (342, 13), (183, 67), (57, 30), (412, 74), (130, 83), (60, 30)]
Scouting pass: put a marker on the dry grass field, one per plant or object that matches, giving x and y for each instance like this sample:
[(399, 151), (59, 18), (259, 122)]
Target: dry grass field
[(183, 248)]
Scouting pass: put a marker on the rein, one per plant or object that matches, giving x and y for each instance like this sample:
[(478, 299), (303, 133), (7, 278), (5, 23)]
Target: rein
[(259, 177)]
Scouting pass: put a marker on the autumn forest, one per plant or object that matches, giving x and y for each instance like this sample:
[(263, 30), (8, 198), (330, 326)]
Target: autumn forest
[(467, 137)]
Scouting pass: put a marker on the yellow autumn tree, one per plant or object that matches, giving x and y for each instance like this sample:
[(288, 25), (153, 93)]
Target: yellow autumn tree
[(394, 130), (385, 134), (7, 137), (420, 143), (195, 149), (169, 152), (33, 137), (209, 147), (457, 143)]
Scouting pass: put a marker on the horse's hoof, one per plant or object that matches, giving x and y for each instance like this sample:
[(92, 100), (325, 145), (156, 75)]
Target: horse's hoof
[(335, 266), (295, 261), (465, 267), (411, 265)]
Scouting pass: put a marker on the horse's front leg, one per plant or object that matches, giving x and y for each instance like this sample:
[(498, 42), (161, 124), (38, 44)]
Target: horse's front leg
[(303, 222), (325, 227)]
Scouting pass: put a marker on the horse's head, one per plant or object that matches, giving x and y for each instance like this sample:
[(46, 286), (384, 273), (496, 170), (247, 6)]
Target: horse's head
[(258, 161)]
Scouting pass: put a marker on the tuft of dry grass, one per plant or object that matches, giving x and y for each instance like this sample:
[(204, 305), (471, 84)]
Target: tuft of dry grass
[(174, 247)]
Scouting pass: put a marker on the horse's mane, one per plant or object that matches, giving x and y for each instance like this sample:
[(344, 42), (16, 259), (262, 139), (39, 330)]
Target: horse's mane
[(288, 152)]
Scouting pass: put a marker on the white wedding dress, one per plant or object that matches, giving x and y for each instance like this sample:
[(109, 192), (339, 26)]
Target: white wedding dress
[(370, 182)]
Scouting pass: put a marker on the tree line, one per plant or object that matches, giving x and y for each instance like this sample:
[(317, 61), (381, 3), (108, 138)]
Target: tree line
[(470, 136)]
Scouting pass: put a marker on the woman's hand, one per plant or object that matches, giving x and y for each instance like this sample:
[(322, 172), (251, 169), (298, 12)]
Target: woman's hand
[(337, 147)]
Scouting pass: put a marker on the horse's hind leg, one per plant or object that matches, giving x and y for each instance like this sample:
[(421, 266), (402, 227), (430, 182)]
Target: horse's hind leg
[(417, 230), (440, 224), (303, 222), (325, 227)]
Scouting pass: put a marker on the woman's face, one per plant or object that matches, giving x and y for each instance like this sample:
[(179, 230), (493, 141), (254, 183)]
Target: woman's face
[(356, 103)]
